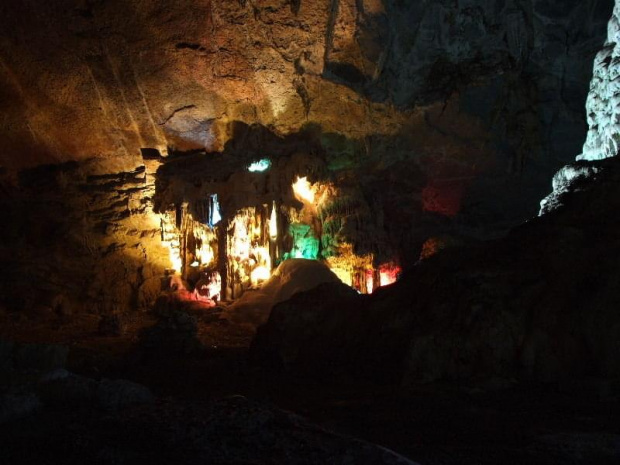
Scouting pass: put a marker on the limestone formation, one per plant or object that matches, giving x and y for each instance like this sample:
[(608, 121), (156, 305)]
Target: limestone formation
[(485, 96), (418, 120), (81, 239), (603, 110), (603, 104)]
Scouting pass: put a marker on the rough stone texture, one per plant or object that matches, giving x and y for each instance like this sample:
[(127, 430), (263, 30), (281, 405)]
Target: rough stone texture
[(39, 357), (539, 304), (232, 431), (586, 447), (69, 391), (441, 117), (6, 357), (118, 394), (603, 104), (112, 325), (33, 360), (74, 239), (567, 180), (502, 83)]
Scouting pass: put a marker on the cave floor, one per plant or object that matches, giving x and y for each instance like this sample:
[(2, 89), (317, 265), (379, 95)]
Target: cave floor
[(495, 422)]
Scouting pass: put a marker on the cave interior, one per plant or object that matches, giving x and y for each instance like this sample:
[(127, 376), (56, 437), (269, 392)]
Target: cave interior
[(302, 232)]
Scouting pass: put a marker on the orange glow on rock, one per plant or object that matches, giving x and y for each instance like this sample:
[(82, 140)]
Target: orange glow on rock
[(303, 190)]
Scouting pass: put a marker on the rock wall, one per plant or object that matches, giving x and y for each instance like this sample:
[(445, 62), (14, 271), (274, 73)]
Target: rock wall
[(603, 104), (73, 241), (449, 117), (103, 79), (603, 110)]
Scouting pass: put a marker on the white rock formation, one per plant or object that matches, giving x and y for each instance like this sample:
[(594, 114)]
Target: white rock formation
[(603, 104), (603, 109)]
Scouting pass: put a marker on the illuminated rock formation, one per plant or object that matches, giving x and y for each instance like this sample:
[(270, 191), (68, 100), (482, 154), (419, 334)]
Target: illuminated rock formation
[(264, 217), (603, 105), (91, 240), (417, 119), (538, 304), (485, 97), (603, 110)]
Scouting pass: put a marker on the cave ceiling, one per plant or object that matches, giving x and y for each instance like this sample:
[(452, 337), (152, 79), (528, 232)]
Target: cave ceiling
[(483, 96)]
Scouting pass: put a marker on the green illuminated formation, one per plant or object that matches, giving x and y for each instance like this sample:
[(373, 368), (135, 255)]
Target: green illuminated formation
[(305, 244)]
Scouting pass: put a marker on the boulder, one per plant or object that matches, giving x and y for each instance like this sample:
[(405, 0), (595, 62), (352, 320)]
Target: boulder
[(300, 331), (67, 390)]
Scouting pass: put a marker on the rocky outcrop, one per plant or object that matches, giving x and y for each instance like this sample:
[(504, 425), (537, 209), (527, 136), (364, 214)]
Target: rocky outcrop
[(603, 110), (538, 304), (73, 241), (568, 180), (319, 330), (175, 333), (603, 104)]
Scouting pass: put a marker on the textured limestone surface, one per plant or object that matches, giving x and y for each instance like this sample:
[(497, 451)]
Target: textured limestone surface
[(603, 110), (439, 117), (603, 104), (74, 241), (461, 88)]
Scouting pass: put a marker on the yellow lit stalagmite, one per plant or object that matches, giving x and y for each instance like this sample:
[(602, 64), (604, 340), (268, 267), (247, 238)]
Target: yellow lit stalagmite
[(170, 239), (246, 247), (273, 223), (248, 254)]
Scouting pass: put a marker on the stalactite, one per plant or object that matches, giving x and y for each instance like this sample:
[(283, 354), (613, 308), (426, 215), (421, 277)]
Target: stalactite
[(258, 228)]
